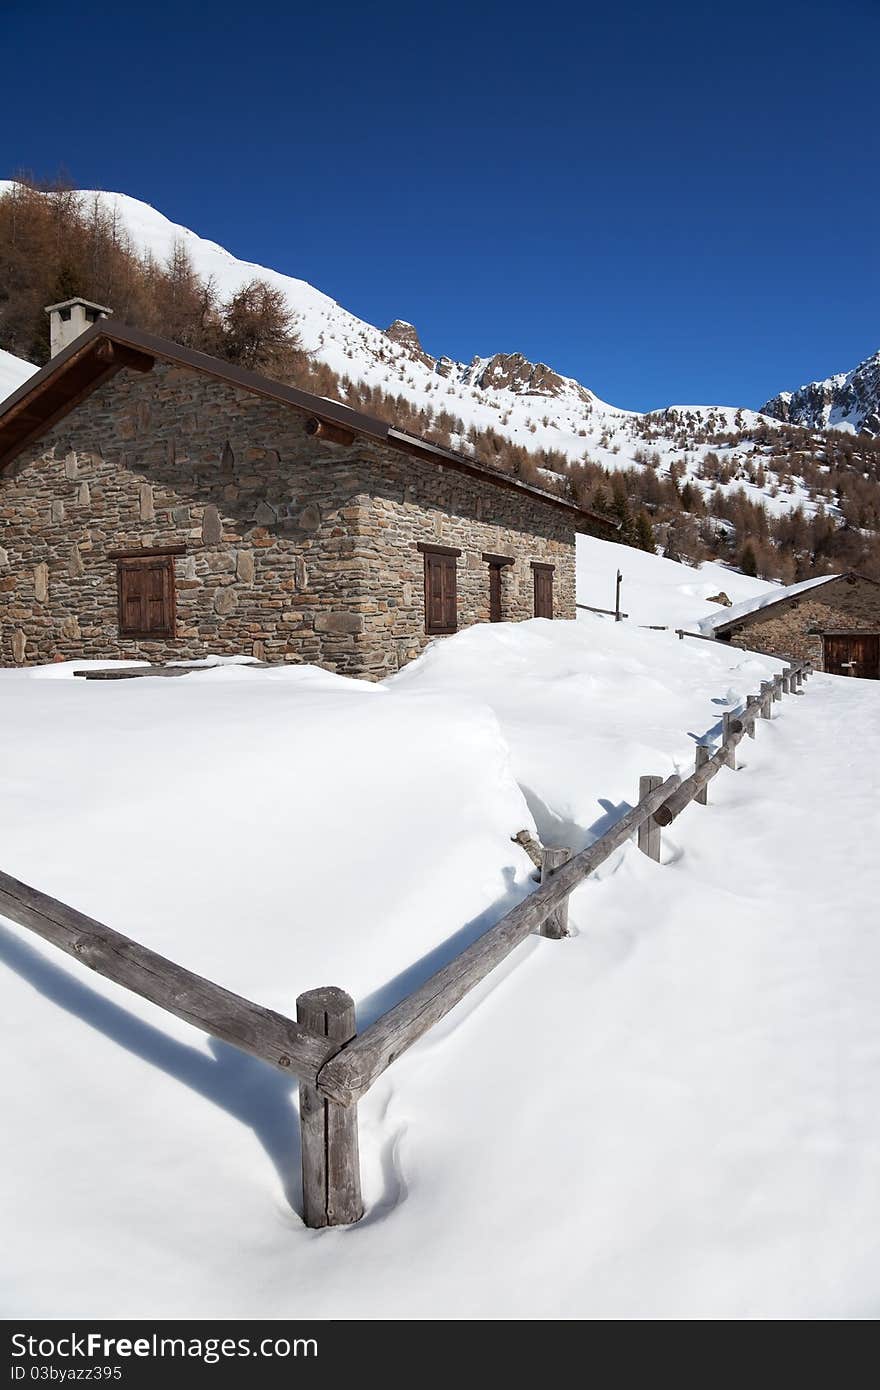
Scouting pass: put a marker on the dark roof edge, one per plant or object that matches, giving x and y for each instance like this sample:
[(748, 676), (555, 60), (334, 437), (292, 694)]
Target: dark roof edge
[(115, 331)]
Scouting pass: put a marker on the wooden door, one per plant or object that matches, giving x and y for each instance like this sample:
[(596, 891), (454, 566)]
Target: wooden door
[(441, 614), (543, 591), (494, 593), (853, 654)]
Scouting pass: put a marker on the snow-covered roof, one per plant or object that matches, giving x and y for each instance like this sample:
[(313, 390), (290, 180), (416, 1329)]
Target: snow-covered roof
[(776, 594)]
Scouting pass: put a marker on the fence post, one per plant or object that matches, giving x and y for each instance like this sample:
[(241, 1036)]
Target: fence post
[(331, 1174), (765, 699), (702, 756), (750, 704), (776, 688), (786, 681), (556, 925), (730, 755), (649, 830)]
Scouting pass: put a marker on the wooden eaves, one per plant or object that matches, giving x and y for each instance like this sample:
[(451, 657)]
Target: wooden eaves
[(109, 346)]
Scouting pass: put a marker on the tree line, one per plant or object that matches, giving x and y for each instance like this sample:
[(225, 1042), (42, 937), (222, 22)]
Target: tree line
[(56, 244)]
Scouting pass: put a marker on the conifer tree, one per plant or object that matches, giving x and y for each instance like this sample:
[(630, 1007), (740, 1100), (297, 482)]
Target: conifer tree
[(645, 533)]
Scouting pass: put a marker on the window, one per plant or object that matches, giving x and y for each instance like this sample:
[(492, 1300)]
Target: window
[(496, 565), (441, 613), (145, 586), (543, 590)]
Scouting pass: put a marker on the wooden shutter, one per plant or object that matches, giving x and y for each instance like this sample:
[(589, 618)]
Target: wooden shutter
[(494, 593), (146, 596), (441, 613), (543, 590)]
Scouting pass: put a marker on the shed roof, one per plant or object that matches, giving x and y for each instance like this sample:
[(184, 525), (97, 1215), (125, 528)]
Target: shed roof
[(752, 609), (109, 346)]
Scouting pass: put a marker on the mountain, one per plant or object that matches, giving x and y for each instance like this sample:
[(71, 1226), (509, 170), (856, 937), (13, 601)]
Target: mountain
[(528, 403), (850, 400), (709, 477)]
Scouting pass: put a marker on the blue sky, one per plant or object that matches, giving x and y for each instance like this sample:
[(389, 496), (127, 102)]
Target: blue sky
[(671, 202)]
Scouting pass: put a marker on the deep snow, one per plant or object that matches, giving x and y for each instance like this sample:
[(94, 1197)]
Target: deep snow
[(14, 372), (693, 1072), (660, 591)]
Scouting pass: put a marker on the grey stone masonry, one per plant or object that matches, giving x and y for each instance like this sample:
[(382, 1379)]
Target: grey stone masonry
[(291, 549), (795, 627)]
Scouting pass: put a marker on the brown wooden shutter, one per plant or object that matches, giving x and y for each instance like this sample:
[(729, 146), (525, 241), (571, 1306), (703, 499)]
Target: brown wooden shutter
[(543, 590), (494, 593), (441, 613), (146, 597)]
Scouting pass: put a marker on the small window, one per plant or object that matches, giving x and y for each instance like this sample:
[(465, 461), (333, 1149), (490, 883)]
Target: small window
[(543, 590), (441, 602), (146, 596)]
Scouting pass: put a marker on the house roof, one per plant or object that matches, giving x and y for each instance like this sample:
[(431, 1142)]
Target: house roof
[(754, 608), (109, 346)]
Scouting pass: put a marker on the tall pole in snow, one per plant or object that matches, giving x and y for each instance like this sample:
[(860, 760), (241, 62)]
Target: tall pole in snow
[(617, 598)]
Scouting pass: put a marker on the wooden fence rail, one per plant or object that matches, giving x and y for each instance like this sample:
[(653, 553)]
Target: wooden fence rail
[(250, 1027), (336, 1065)]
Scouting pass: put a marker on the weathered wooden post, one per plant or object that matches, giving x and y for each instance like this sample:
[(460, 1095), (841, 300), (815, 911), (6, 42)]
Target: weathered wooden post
[(750, 705), (649, 830), (786, 681), (702, 756), (556, 925), (331, 1174), (765, 699), (730, 755), (776, 688)]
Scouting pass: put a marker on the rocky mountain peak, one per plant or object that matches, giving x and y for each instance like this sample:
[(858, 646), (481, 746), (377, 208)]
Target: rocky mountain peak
[(406, 336), (850, 398), (511, 371)]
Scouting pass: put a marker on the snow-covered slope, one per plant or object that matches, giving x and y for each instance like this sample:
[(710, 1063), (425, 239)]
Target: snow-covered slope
[(850, 400), (525, 402), (694, 1067), (13, 373), (659, 591)]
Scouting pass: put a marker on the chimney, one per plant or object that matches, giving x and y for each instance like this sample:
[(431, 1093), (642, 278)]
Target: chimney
[(70, 318)]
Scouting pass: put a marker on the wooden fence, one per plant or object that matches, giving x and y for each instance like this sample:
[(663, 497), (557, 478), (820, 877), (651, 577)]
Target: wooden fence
[(335, 1064)]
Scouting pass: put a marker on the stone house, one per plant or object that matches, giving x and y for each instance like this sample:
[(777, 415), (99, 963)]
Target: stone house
[(834, 622), (159, 503)]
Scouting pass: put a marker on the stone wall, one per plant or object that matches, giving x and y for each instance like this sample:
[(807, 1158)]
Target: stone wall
[(295, 550), (412, 500), (849, 604), (175, 457)]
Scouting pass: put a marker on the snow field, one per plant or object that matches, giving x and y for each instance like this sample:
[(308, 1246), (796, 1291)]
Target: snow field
[(669, 1115)]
